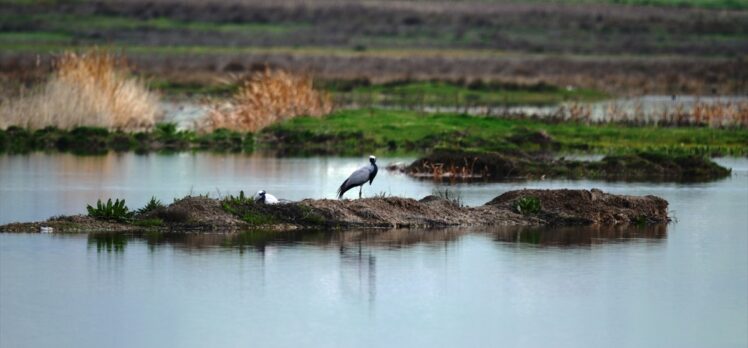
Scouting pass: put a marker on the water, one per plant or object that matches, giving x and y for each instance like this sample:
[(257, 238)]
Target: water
[(682, 285)]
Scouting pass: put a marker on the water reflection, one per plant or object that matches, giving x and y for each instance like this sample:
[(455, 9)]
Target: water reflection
[(581, 235), (109, 242), (353, 243)]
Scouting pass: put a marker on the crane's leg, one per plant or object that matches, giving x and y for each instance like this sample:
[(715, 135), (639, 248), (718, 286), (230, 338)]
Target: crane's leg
[(359, 191)]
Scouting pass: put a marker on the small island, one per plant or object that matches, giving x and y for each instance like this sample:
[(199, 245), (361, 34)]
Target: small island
[(560, 207)]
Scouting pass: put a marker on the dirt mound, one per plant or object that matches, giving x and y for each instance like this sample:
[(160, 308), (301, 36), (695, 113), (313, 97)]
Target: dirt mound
[(69, 224), (553, 207), (510, 165), (196, 213), (582, 207), (448, 164), (392, 212)]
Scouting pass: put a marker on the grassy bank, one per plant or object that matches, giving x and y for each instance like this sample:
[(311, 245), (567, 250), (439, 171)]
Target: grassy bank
[(455, 93), (94, 140), (354, 132), (363, 131)]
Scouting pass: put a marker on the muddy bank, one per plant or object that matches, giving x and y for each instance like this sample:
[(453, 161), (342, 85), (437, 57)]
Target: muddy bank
[(518, 165), (514, 208)]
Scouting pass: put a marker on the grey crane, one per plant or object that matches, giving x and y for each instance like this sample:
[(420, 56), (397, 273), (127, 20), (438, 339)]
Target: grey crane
[(359, 178)]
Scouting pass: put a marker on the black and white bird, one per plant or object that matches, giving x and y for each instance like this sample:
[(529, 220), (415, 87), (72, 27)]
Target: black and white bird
[(263, 197), (359, 178)]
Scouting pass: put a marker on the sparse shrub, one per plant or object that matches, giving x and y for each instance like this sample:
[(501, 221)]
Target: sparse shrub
[(265, 97), (230, 202), (152, 205), (85, 140), (226, 140), (527, 205), (170, 138), (116, 211), (454, 197), (88, 89)]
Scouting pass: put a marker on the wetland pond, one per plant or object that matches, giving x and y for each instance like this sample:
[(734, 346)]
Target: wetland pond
[(683, 285)]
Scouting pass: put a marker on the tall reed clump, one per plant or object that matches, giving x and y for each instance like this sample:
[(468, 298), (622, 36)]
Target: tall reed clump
[(266, 97), (88, 89)]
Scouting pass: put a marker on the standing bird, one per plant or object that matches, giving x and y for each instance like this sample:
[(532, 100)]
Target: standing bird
[(262, 197), (359, 178)]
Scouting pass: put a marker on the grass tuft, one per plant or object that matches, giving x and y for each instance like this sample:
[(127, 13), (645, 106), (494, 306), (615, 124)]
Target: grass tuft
[(266, 97), (152, 205), (87, 89), (115, 211), (527, 205)]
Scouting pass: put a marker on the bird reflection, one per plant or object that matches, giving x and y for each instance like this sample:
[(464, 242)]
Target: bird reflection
[(362, 264)]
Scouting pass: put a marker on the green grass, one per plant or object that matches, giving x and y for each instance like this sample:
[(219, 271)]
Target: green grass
[(67, 23), (710, 4), (354, 132), (93, 140), (438, 93), (363, 131), (34, 37)]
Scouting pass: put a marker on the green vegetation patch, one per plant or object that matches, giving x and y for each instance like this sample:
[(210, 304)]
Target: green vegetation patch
[(93, 140), (527, 205), (72, 23), (255, 214), (441, 93), (114, 211), (357, 132)]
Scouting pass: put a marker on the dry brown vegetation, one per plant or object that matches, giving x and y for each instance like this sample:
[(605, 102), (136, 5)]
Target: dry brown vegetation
[(728, 114), (265, 97), (87, 89)]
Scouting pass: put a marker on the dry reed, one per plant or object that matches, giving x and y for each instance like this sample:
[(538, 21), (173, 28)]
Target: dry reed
[(87, 89), (727, 114), (266, 97)]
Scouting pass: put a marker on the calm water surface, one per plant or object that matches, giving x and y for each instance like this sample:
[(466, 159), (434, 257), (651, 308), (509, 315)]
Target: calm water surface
[(684, 285)]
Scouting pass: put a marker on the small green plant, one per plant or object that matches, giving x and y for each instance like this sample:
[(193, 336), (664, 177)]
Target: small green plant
[(527, 205), (230, 202), (116, 211), (258, 219), (152, 205)]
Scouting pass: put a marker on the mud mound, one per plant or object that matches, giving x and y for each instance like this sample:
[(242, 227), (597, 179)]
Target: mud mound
[(466, 165), (512, 165), (69, 224), (196, 213), (392, 212), (556, 207), (582, 207)]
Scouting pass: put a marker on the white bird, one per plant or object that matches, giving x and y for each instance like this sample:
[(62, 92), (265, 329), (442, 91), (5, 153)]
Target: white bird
[(263, 197), (359, 178)]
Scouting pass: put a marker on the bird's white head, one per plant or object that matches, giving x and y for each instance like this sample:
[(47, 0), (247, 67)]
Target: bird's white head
[(261, 192), (373, 159)]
